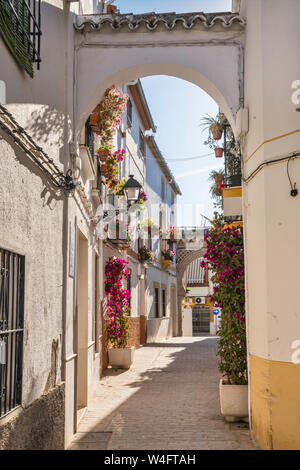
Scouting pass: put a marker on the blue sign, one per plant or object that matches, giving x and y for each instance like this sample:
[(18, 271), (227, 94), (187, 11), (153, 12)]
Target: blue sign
[(216, 311)]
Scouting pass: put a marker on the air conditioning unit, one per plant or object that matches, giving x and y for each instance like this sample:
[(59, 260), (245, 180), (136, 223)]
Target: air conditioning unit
[(200, 300)]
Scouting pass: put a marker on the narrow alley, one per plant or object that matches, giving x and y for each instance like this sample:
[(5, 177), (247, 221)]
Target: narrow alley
[(168, 400)]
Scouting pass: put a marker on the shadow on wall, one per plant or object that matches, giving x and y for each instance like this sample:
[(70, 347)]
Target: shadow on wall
[(49, 126)]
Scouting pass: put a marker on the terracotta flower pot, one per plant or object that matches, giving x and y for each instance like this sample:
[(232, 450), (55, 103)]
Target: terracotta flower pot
[(103, 154), (219, 152), (218, 179), (104, 170), (111, 9), (94, 121), (217, 131)]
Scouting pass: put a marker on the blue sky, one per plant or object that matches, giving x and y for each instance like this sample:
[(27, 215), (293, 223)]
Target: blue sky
[(177, 107), (179, 6)]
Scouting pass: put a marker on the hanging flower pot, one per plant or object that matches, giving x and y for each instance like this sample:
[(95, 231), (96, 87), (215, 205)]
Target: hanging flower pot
[(103, 154), (104, 170), (219, 152), (217, 131), (218, 179), (94, 121)]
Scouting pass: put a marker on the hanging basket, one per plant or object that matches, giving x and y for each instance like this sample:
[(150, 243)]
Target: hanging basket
[(219, 152), (217, 131)]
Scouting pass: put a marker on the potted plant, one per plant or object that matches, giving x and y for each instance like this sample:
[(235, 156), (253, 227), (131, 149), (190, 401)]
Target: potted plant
[(174, 233), (104, 153), (145, 254), (225, 258), (117, 310), (168, 255), (214, 125), (217, 176)]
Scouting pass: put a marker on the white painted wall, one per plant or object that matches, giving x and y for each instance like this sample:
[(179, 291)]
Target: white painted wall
[(271, 223)]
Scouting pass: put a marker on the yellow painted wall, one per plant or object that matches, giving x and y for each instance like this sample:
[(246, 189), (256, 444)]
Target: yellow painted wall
[(275, 403)]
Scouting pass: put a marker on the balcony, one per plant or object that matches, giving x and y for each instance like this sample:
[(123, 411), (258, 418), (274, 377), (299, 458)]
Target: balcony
[(191, 238), (232, 196)]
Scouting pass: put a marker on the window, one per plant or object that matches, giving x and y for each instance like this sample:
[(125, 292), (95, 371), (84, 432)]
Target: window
[(142, 143), (164, 301), (156, 300), (129, 286), (149, 238), (12, 270), (89, 138), (129, 113), (111, 199), (20, 26), (163, 188)]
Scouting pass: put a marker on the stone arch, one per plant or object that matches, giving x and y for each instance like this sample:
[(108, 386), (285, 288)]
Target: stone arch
[(206, 52), (184, 259)]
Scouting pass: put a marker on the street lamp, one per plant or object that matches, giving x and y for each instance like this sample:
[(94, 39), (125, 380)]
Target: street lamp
[(132, 190)]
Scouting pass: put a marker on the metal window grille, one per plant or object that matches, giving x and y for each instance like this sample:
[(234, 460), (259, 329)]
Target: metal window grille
[(12, 268), (20, 27)]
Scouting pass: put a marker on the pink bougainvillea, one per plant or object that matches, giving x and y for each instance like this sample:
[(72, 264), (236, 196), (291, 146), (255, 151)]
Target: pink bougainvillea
[(118, 306), (225, 258)]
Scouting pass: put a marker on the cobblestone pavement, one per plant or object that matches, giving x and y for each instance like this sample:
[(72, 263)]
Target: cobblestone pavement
[(168, 400)]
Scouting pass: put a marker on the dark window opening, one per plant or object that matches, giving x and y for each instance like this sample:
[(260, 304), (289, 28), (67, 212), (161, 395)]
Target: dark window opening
[(156, 300), (142, 143), (129, 289), (12, 268), (149, 238), (129, 113), (89, 138), (164, 302)]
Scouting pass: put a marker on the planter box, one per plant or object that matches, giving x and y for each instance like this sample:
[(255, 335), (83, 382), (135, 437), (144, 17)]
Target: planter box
[(121, 358), (234, 402)]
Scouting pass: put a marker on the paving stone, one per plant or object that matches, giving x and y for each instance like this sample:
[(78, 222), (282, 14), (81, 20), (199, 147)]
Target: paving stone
[(168, 400)]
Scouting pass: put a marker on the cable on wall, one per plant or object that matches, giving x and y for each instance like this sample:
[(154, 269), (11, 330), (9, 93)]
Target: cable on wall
[(288, 158)]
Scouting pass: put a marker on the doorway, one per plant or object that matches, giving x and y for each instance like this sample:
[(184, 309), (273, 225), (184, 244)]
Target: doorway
[(82, 323), (201, 320)]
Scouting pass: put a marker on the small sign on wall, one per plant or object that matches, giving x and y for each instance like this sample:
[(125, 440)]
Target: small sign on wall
[(72, 250)]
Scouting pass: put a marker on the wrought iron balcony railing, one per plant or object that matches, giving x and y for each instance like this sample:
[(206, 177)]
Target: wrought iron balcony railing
[(233, 181), (20, 28)]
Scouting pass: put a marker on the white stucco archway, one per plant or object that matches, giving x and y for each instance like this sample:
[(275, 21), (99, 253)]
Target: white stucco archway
[(209, 55)]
